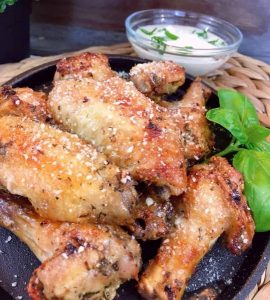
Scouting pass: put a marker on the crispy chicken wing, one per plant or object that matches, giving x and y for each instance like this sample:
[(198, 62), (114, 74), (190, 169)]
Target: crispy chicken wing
[(189, 113), (64, 178), (157, 77), (79, 261), (134, 133), (23, 102), (84, 65), (213, 204)]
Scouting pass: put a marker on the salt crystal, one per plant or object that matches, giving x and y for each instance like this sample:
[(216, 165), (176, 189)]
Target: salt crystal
[(80, 249), (130, 149), (8, 239), (149, 201)]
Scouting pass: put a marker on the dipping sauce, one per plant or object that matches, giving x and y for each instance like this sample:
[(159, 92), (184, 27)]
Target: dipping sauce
[(187, 37), (177, 43)]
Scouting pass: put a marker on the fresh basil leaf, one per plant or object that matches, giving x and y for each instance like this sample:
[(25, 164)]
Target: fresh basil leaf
[(263, 146), (255, 167), (229, 120), (257, 133), (4, 3), (148, 32), (170, 35), (240, 104)]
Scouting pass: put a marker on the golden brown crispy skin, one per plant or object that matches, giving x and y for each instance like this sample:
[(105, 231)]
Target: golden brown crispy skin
[(23, 102), (78, 260), (213, 204), (84, 65), (134, 133), (157, 77), (64, 178), (189, 114)]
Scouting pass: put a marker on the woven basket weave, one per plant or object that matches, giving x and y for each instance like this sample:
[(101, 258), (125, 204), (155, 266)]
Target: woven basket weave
[(242, 73)]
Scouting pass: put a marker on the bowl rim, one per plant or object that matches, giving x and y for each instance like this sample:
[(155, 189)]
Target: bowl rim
[(140, 40)]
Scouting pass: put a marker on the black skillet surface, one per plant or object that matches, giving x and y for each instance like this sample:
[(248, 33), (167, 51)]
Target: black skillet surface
[(230, 276)]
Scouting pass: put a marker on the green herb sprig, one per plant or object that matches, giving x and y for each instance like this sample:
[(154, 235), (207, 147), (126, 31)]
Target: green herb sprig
[(170, 35), (186, 50), (159, 41), (238, 115), (202, 34), (217, 42), (4, 3), (147, 32)]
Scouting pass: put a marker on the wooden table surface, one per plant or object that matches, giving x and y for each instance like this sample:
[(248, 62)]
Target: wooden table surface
[(67, 25)]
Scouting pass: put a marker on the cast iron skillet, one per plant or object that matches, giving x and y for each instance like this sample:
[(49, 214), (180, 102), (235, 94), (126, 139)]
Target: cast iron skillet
[(231, 277)]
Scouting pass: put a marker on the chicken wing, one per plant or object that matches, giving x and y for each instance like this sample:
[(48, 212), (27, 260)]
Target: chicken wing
[(84, 65), (64, 178), (79, 261), (134, 133), (213, 204), (157, 78), (23, 102), (189, 113)]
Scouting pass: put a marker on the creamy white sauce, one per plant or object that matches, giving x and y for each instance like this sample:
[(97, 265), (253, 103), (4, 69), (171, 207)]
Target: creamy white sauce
[(177, 43), (181, 36)]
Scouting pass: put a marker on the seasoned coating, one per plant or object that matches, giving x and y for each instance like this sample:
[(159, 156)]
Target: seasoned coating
[(79, 261), (23, 102), (213, 204), (157, 77), (190, 116), (64, 178), (134, 133), (84, 65), (153, 216)]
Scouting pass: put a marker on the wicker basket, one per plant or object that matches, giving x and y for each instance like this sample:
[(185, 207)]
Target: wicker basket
[(242, 73)]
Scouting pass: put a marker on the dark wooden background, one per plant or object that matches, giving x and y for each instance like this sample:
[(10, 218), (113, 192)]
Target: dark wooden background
[(64, 25)]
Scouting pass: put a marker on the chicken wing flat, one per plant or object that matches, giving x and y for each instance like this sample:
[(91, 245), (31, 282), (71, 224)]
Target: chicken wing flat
[(157, 78), (23, 102), (79, 261), (64, 178), (131, 130), (190, 115), (213, 204), (84, 65)]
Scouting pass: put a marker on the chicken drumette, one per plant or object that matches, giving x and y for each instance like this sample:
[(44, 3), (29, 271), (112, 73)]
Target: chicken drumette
[(213, 204), (85, 65), (157, 78), (79, 261), (188, 113), (190, 116)]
